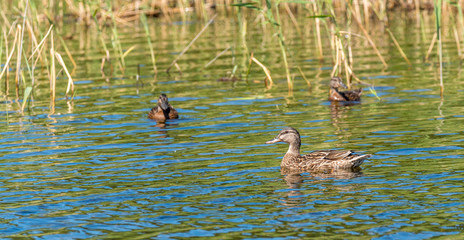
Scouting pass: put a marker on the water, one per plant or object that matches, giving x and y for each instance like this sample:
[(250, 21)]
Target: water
[(98, 168)]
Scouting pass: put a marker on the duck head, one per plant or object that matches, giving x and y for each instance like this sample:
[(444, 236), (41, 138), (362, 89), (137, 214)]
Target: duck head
[(288, 135), (163, 102), (336, 82)]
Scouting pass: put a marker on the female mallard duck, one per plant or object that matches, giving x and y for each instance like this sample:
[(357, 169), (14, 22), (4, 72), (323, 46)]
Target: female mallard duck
[(341, 96), (317, 160), (163, 110)]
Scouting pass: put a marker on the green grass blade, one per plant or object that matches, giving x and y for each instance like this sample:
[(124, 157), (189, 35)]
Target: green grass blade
[(246, 5), (143, 19), (27, 93), (372, 90)]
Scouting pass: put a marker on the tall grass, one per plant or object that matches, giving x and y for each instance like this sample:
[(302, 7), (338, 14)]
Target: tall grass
[(115, 37), (174, 62), (278, 26), (24, 50), (20, 49), (438, 12), (143, 19), (52, 74), (342, 21), (127, 11), (273, 17)]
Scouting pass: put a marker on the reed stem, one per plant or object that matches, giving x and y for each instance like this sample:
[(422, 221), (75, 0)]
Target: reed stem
[(318, 32), (143, 19), (20, 49), (432, 43), (52, 76), (366, 34), (398, 46), (70, 81), (7, 63), (217, 56), (266, 71), (173, 63), (282, 45), (438, 9)]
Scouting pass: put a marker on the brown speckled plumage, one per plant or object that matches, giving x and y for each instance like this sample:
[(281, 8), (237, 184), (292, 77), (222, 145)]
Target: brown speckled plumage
[(336, 95), (163, 110), (317, 160)]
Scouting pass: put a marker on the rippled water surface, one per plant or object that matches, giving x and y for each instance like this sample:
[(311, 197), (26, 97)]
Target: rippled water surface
[(98, 168)]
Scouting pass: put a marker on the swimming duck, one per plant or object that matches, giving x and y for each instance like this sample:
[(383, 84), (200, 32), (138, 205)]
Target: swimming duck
[(163, 110), (340, 96), (317, 160)]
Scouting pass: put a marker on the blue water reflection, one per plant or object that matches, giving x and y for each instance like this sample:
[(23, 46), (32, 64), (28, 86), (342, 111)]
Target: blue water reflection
[(98, 168)]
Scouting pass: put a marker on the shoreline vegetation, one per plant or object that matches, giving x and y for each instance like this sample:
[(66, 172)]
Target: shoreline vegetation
[(24, 21)]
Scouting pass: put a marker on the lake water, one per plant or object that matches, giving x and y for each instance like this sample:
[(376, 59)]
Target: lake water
[(98, 168)]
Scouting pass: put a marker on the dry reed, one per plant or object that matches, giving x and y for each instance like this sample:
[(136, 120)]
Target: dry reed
[(266, 71), (143, 19), (125, 12), (52, 76), (438, 13), (398, 46), (174, 62), (366, 34), (7, 63), (29, 51), (70, 81), (217, 56)]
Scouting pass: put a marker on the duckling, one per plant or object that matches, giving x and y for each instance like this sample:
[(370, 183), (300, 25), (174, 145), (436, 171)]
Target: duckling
[(340, 96), (163, 110), (317, 160)]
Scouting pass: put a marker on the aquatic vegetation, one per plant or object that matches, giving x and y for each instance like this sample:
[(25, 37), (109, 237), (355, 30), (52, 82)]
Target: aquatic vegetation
[(31, 39), (272, 17), (174, 62), (98, 168), (438, 6), (143, 19), (16, 41), (266, 71)]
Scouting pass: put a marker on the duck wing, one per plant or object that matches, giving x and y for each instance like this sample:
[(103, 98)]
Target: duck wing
[(153, 113), (331, 159), (328, 154), (173, 113), (335, 95), (353, 95)]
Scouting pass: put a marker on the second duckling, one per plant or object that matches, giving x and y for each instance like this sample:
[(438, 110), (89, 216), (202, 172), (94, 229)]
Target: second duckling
[(163, 110), (340, 96)]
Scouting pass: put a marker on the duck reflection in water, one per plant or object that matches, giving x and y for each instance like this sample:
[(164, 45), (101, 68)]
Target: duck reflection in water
[(296, 195), (339, 110), (162, 126)]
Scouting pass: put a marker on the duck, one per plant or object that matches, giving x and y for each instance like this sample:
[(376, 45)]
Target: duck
[(315, 161), (163, 110), (342, 96)]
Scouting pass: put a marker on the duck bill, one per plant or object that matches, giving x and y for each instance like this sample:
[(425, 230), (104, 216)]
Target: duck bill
[(164, 105), (273, 141)]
